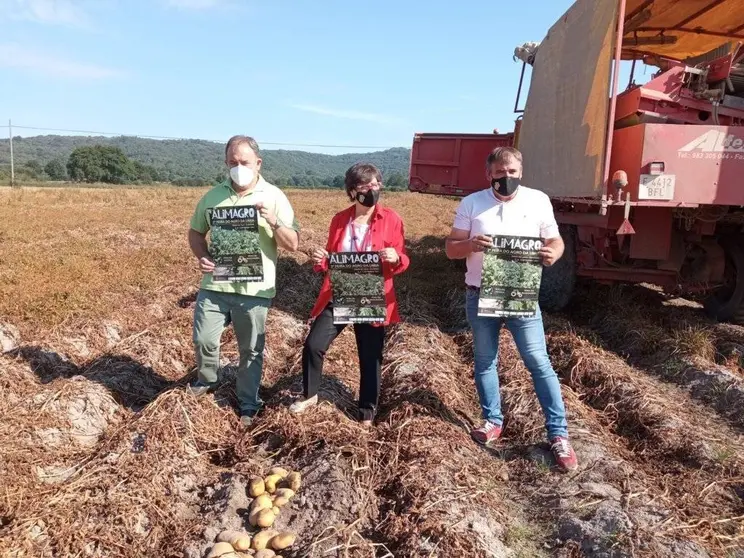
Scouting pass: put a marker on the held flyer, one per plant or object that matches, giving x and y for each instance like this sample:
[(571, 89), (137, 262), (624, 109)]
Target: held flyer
[(512, 272), (358, 287), (234, 244)]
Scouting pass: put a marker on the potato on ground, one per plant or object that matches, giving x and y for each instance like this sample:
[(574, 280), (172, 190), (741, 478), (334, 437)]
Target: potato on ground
[(270, 482), (265, 553), (280, 502), (282, 541), (238, 539), (283, 473), (220, 549), (287, 493), (242, 543), (256, 487), (265, 518), (261, 502), (228, 536), (294, 480), (261, 539)]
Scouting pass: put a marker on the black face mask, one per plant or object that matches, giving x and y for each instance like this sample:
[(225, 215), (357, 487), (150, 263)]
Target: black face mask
[(506, 185), (368, 198)]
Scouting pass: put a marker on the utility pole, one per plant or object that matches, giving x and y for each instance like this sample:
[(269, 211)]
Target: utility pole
[(12, 167)]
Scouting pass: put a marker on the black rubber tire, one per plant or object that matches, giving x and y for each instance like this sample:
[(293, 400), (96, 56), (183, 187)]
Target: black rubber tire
[(727, 303), (559, 280)]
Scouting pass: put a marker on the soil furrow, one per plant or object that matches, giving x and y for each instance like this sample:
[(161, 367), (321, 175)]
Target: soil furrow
[(604, 509), (621, 426), (680, 448), (670, 342)]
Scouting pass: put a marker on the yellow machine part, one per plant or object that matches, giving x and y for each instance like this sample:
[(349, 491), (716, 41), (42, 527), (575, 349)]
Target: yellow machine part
[(680, 29)]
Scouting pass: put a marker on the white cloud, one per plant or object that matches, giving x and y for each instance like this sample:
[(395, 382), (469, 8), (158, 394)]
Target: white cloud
[(348, 114), (195, 4), (50, 12), (48, 64)]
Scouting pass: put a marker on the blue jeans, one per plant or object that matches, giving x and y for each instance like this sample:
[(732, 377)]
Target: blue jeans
[(529, 336)]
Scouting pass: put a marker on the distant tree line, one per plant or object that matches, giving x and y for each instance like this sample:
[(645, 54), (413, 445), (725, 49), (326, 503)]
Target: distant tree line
[(98, 163), (131, 160), (392, 181)]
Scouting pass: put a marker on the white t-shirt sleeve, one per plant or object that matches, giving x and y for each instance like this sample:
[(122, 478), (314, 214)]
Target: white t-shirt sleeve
[(463, 215), (548, 224)]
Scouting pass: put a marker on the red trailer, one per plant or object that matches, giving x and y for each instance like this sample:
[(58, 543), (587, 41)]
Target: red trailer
[(647, 184), (452, 164)]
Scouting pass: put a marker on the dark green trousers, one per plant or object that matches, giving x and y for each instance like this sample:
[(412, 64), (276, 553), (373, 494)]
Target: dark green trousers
[(247, 314)]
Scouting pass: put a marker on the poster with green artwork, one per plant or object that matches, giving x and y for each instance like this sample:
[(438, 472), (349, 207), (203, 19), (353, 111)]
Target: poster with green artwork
[(512, 272), (358, 288), (234, 244)]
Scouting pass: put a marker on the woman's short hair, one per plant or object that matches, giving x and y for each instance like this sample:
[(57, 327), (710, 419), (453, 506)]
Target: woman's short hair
[(358, 174)]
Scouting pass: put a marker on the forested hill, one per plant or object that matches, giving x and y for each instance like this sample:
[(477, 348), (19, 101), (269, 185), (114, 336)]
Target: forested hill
[(183, 161)]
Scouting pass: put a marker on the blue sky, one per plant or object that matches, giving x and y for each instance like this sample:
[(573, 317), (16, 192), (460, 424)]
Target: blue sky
[(332, 72)]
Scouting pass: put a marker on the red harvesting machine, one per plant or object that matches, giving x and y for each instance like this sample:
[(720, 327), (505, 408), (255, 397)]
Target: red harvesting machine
[(647, 184)]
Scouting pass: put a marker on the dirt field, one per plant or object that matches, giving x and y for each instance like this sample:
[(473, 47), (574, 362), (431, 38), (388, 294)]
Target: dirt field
[(103, 453)]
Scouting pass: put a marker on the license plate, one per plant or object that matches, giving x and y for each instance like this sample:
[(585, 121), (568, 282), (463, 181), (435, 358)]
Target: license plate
[(656, 187)]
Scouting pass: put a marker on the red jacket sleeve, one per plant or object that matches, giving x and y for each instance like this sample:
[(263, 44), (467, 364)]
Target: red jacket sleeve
[(398, 242)]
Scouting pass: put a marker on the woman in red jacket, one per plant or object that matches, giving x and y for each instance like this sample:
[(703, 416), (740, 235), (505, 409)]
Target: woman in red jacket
[(366, 226)]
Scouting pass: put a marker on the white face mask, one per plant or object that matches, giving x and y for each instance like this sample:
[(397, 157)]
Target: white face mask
[(242, 176)]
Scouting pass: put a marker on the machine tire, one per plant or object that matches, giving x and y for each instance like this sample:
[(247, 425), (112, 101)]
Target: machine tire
[(727, 303), (559, 280)]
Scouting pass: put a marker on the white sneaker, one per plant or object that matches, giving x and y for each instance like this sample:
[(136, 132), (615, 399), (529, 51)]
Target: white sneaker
[(303, 404)]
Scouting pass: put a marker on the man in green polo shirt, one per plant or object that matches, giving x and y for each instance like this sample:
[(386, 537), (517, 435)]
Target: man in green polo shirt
[(244, 303)]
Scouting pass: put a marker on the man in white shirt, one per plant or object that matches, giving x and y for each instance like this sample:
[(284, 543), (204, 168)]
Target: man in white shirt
[(509, 209)]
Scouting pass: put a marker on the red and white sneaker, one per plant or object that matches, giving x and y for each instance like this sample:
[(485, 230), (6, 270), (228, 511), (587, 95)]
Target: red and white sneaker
[(487, 433), (564, 454)]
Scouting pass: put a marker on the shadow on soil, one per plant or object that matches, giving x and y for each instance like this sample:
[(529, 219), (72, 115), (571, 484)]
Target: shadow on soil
[(285, 391), (132, 384)]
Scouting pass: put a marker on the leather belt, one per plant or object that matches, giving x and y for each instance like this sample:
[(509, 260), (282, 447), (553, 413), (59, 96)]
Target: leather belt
[(472, 288)]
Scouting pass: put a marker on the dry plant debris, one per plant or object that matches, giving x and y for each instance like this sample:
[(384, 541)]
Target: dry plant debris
[(104, 454)]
